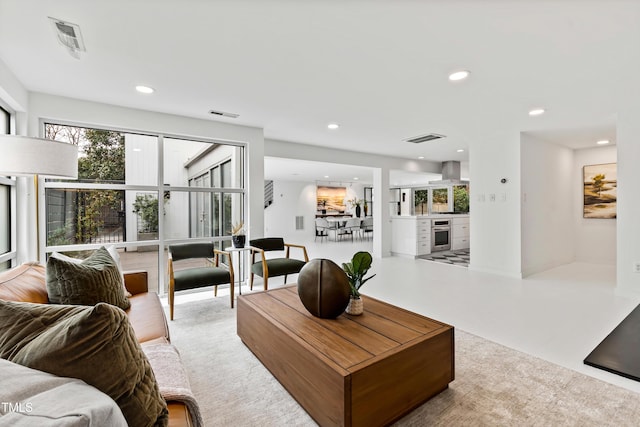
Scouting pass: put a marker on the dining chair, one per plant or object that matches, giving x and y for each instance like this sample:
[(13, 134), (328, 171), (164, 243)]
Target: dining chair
[(366, 228), (352, 227), (322, 229)]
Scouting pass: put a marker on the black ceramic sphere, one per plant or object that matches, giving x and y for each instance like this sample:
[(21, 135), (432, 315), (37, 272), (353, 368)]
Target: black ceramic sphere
[(323, 288)]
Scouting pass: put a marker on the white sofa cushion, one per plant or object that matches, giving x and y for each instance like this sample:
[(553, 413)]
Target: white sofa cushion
[(29, 397)]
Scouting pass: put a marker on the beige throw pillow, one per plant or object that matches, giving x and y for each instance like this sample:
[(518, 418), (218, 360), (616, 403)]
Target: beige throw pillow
[(95, 344), (92, 280)]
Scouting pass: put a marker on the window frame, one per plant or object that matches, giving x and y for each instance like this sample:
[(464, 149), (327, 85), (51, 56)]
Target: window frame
[(11, 256), (160, 189)]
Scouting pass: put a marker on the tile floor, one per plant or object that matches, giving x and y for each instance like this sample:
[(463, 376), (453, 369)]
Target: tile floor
[(559, 315), (458, 257)]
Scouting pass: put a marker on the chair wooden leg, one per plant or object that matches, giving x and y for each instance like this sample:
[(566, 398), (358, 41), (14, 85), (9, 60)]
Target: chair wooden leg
[(171, 304), (251, 283), (215, 291), (266, 279), (285, 279)]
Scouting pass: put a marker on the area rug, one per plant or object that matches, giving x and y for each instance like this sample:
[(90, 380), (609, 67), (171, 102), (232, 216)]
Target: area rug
[(494, 385), (619, 352)]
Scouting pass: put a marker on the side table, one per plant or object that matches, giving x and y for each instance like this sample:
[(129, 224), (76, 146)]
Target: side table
[(241, 263)]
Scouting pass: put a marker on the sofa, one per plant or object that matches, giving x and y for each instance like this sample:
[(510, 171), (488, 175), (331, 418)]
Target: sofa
[(27, 283)]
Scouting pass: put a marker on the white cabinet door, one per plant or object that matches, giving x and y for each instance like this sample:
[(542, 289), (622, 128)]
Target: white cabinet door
[(460, 233), (403, 236), (424, 244), (462, 243)]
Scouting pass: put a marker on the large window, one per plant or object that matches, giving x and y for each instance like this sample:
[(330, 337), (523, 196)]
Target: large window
[(143, 192), (7, 216)]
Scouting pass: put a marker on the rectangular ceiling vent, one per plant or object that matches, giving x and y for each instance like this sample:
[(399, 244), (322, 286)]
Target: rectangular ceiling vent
[(223, 114), (424, 138), (69, 36)]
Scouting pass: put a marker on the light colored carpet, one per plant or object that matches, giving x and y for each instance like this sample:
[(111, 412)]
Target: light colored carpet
[(494, 385)]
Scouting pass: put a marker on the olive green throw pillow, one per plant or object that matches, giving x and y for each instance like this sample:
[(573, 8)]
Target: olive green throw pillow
[(95, 344), (95, 279)]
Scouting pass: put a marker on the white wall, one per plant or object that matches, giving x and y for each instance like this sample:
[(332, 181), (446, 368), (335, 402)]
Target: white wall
[(15, 97), (628, 221), (595, 239), (13, 94), (291, 199), (549, 188), (495, 225), (294, 198)]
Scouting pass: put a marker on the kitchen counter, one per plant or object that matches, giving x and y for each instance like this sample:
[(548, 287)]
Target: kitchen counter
[(431, 216), (411, 234)]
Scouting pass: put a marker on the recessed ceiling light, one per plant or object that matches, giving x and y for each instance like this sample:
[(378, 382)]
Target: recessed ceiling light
[(603, 142), (144, 89), (536, 111), (333, 126), (460, 150), (420, 157), (326, 176), (355, 178), (458, 75)]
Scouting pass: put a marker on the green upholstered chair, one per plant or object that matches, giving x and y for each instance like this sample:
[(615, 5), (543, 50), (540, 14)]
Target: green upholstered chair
[(207, 273), (271, 267)]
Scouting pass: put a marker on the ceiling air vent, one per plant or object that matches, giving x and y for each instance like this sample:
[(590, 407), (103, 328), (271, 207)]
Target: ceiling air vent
[(424, 138), (69, 36), (223, 114)]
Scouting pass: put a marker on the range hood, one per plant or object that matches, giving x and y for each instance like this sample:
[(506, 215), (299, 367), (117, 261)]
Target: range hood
[(450, 173)]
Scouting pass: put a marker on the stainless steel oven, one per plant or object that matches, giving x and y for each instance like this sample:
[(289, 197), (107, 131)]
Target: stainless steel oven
[(440, 235)]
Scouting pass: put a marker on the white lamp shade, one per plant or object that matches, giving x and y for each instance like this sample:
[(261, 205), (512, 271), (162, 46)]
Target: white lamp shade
[(21, 155)]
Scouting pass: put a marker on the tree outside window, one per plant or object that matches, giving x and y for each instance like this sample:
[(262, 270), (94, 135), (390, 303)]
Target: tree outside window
[(89, 212)]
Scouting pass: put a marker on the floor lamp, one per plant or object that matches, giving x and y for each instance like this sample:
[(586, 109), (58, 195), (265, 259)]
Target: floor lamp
[(26, 156)]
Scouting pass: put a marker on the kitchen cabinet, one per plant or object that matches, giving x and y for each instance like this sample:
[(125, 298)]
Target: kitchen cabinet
[(410, 236), (423, 236), (460, 233)]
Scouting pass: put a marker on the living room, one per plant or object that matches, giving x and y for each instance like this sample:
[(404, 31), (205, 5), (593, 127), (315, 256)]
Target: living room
[(534, 237)]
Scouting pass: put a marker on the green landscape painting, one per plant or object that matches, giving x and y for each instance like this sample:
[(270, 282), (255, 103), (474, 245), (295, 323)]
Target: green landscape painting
[(600, 184)]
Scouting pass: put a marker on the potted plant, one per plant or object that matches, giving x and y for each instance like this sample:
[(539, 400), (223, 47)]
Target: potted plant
[(238, 237), (356, 270), (356, 204)]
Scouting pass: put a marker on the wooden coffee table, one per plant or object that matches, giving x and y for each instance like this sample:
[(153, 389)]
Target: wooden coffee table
[(363, 370)]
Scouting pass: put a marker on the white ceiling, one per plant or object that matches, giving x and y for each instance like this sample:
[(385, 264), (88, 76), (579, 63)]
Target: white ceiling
[(279, 169), (378, 68)]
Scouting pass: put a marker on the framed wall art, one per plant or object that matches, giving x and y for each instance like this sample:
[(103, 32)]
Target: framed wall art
[(600, 191), (331, 198)]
